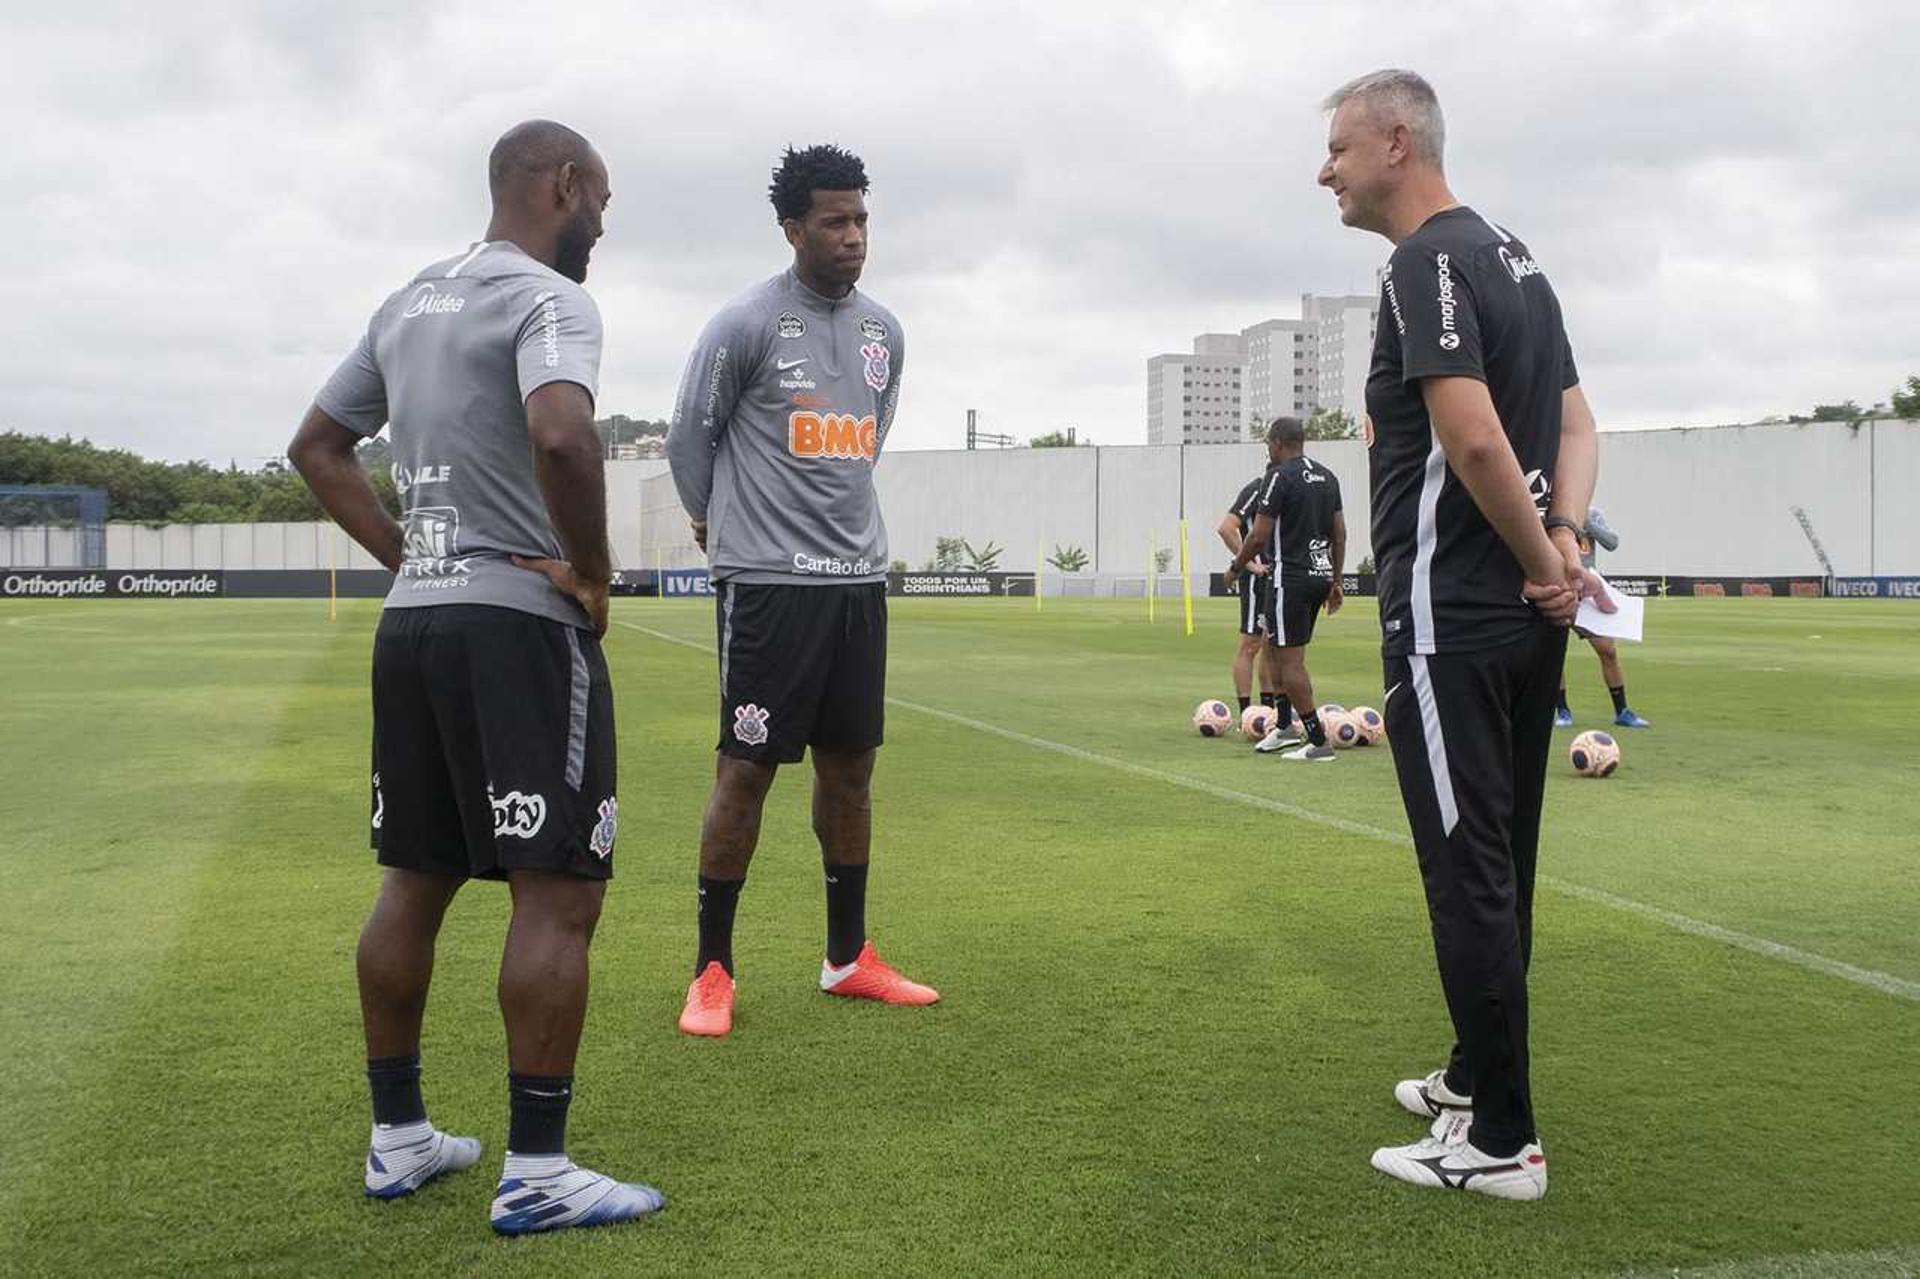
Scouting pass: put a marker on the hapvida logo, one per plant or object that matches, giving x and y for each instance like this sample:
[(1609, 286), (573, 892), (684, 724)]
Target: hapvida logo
[(836, 435)]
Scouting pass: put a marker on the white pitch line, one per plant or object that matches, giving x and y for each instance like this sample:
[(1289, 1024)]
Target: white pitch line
[(1885, 983)]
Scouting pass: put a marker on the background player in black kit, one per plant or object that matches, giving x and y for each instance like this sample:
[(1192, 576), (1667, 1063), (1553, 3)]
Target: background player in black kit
[(1299, 528), (1480, 431), (1233, 528)]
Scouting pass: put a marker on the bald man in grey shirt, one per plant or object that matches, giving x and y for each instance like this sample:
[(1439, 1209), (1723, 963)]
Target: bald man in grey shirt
[(493, 746)]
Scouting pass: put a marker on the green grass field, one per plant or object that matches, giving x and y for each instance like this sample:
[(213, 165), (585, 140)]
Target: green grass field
[(1173, 1011)]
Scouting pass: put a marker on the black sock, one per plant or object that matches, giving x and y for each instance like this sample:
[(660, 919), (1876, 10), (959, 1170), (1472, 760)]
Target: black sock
[(718, 898), (395, 1084), (1266, 699), (1561, 705), (1245, 702), (1283, 710), (538, 1122), (846, 913), (1619, 692), (1310, 720)]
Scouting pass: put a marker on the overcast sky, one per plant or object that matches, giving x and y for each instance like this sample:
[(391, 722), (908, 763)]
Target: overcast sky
[(206, 201)]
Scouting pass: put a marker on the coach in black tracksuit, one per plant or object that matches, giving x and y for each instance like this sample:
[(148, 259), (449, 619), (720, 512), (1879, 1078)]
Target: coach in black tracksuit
[(1482, 466)]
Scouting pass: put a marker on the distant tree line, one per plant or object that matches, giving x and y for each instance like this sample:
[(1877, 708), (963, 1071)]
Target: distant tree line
[(143, 491)]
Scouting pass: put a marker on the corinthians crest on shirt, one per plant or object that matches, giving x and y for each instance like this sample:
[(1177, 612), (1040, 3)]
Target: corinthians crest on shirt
[(878, 369)]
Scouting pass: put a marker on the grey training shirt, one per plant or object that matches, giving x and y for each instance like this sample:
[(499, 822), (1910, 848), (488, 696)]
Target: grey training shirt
[(450, 360), (782, 412)]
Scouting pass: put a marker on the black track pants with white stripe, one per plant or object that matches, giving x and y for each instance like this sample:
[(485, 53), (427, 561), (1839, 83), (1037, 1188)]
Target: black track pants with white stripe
[(1471, 733)]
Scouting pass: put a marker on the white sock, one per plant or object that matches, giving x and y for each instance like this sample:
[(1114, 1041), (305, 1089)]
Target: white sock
[(393, 1136), (534, 1167)]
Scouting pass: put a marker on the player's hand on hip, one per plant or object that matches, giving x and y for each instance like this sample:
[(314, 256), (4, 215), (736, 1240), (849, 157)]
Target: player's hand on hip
[(699, 534), (591, 596)]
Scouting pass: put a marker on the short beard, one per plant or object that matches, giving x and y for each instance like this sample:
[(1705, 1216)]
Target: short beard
[(575, 246)]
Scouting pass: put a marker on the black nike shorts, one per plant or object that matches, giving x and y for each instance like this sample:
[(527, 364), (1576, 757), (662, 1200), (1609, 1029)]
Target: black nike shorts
[(1295, 608), (801, 666), (1256, 602), (493, 745)]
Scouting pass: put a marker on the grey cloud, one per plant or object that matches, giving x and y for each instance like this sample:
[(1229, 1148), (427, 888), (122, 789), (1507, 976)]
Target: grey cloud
[(213, 198)]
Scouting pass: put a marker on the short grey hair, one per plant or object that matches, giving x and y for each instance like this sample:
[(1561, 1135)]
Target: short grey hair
[(1395, 97)]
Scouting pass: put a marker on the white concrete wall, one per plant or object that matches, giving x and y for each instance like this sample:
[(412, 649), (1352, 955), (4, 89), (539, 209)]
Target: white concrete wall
[(1712, 502)]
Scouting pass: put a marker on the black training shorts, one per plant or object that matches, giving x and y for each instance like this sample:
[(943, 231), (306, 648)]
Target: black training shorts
[(801, 666), (1256, 602), (493, 744), (1295, 608)]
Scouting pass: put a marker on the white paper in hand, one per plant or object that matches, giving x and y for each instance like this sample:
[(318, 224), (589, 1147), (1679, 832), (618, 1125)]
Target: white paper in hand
[(1625, 622)]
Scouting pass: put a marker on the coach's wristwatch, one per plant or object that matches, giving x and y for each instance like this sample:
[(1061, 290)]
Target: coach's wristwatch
[(1560, 521)]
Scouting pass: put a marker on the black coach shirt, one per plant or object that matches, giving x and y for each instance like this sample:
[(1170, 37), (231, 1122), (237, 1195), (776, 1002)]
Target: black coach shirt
[(1302, 497), (1246, 505), (1461, 298)]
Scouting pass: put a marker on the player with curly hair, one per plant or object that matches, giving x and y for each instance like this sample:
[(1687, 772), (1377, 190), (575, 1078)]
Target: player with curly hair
[(783, 410)]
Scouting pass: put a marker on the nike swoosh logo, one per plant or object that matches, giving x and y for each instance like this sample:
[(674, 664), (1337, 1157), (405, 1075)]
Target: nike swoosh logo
[(832, 880), (1388, 696), (784, 365)]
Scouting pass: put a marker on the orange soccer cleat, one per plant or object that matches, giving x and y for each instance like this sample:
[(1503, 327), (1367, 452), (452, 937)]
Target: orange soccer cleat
[(868, 978), (709, 1009)]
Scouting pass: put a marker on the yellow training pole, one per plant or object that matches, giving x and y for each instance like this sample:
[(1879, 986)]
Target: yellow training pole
[(1186, 578)]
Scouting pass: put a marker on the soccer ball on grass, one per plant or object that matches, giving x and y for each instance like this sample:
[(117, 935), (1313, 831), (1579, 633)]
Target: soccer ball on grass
[(1213, 718), (1594, 754)]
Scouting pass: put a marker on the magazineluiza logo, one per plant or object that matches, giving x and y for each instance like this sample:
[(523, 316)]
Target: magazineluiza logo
[(1443, 277), (550, 329), (714, 375), (1393, 300)]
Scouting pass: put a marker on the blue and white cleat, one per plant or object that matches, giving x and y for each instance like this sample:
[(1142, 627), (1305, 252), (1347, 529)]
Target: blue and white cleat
[(570, 1196), (398, 1168), (1627, 718), (1562, 719)]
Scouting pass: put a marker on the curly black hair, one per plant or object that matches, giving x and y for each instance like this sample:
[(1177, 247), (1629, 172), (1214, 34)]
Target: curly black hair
[(819, 168)]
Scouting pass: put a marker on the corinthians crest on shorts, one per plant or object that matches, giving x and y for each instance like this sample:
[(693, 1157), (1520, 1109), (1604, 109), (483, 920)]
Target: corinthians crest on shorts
[(750, 724), (600, 842)]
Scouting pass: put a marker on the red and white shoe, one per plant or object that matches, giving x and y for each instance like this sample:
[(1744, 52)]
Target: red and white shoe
[(709, 1009), (868, 978)]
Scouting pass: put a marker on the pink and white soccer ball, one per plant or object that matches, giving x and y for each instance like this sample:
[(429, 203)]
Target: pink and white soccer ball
[(1343, 729), (1594, 754), (1373, 726), (1213, 718), (1257, 721)]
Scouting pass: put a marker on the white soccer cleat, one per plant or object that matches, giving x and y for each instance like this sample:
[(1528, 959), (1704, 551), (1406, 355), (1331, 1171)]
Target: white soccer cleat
[(1278, 740), (1312, 754), (1429, 1098), (1446, 1160), (569, 1196), (399, 1162)]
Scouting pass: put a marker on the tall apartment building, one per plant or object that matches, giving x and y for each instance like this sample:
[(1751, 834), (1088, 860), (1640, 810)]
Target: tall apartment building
[(1198, 398), (1275, 367)]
